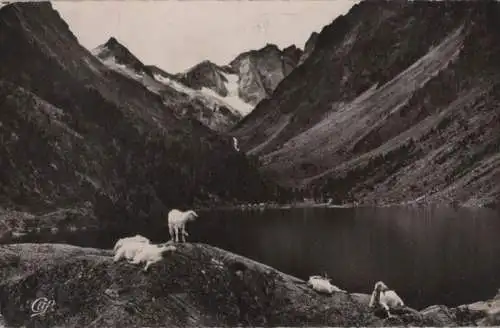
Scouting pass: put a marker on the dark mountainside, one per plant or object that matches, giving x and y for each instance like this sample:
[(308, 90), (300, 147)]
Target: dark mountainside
[(260, 71), (398, 102), (185, 102), (77, 135)]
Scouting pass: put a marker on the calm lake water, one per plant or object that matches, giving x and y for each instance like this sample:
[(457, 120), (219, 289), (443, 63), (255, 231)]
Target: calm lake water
[(429, 256)]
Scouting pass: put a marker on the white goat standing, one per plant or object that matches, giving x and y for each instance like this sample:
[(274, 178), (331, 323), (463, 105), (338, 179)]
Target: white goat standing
[(136, 238), (151, 254), (323, 285), (385, 297), (177, 221)]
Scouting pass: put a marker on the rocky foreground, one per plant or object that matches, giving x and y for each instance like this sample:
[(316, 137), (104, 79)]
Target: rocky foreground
[(197, 285)]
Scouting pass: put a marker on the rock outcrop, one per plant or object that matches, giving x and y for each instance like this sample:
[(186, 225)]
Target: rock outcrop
[(260, 71), (195, 285)]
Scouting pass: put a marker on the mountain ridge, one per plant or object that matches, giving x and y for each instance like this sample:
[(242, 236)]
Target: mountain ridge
[(362, 91), (211, 110)]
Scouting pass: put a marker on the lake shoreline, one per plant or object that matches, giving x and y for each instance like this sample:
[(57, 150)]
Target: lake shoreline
[(410, 204)]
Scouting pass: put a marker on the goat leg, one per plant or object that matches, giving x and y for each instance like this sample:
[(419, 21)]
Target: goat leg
[(183, 234), (176, 235), (386, 308), (134, 261)]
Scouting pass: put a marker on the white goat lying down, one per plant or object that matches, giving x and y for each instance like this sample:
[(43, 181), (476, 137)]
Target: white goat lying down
[(383, 297), (128, 250), (151, 254), (138, 249), (323, 285), (136, 238), (177, 221)]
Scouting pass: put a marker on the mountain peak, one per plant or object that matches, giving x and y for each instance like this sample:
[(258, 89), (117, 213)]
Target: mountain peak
[(207, 62), (263, 70), (271, 45), (112, 42), (292, 47), (114, 51), (203, 64), (205, 74)]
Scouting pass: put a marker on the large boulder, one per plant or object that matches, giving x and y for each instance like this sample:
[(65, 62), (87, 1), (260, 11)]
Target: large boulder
[(440, 313), (483, 313)]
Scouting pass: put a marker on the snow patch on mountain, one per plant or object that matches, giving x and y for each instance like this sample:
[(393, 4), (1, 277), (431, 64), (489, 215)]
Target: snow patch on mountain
[(111, 63), (234, 101), (231, 84), (174, 84), (212, 98), (233, 97), (98, 50)]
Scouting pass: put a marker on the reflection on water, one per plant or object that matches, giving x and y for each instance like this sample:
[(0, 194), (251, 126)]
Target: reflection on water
[(429, 256)]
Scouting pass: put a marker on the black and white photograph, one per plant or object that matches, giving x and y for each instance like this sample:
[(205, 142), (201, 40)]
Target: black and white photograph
[(249, 163)]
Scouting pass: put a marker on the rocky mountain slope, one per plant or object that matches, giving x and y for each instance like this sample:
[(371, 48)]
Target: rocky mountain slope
[(260, 71), (398, 102), (212, 110), (195, 285), (207, 75), (76, 134)]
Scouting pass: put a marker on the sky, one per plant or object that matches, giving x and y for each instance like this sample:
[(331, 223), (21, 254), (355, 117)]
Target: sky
[(176, 35)]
